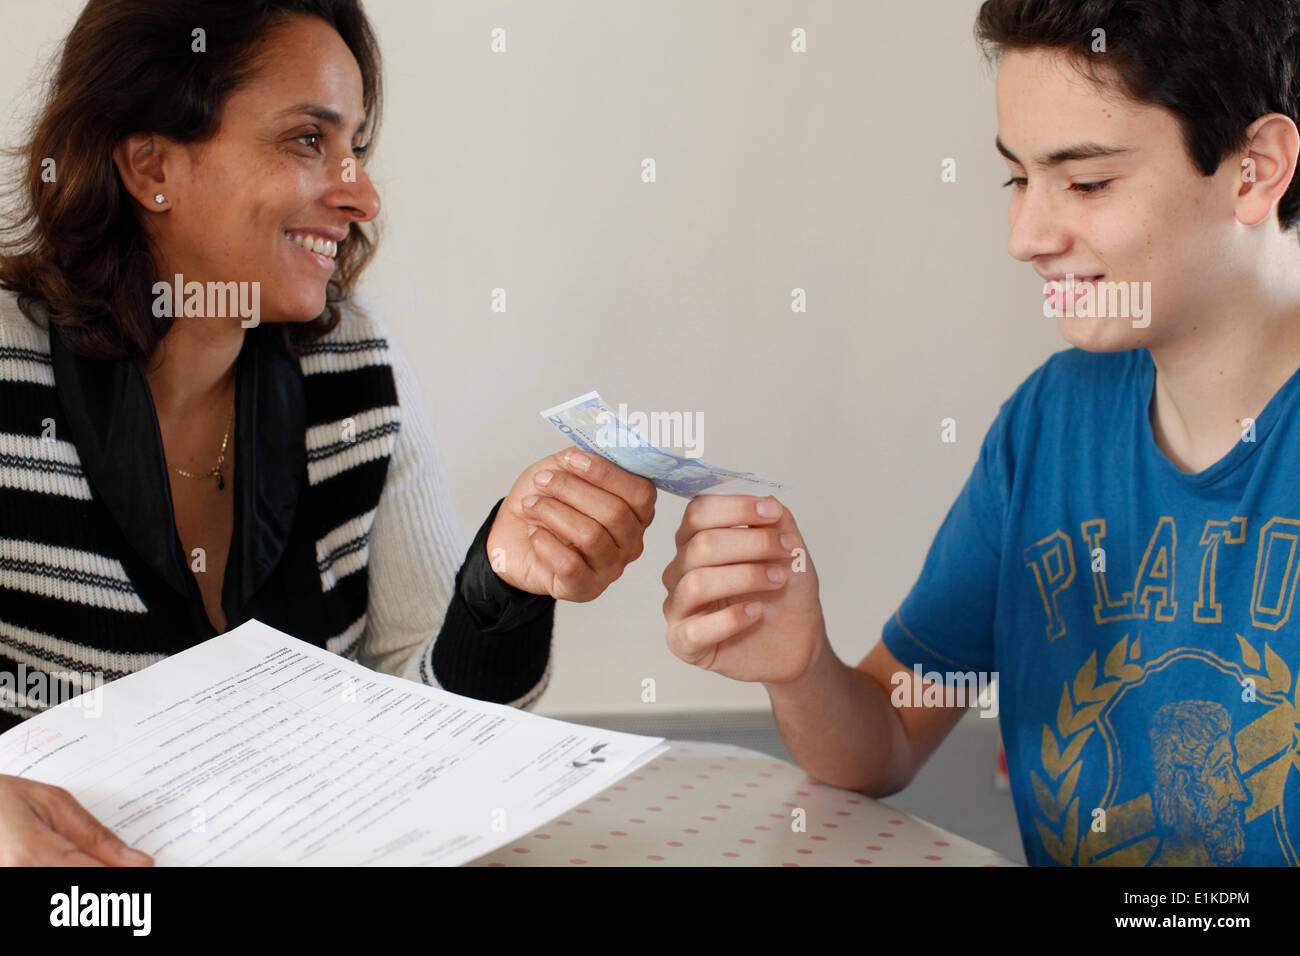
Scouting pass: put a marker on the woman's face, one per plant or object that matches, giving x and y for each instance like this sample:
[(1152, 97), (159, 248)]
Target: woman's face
[(282, 171)]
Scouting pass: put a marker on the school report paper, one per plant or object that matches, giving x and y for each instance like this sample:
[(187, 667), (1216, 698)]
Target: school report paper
[(255, 748)]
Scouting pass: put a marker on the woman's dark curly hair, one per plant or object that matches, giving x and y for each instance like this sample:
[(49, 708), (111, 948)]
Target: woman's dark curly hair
[(1216, 65), (128, 67)]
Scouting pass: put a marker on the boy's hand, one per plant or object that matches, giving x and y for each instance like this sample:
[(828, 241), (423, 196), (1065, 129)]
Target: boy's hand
[(725, 612), (570, 525)]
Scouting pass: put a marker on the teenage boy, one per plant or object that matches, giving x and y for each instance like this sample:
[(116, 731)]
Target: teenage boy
[(1125, 552)]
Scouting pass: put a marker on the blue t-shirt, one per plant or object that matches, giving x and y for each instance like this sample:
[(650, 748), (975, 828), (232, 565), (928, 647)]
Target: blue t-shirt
[(1140, 621)]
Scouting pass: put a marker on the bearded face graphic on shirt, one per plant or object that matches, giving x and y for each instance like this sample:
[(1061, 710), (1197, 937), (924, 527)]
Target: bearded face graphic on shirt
[(1199, 795)]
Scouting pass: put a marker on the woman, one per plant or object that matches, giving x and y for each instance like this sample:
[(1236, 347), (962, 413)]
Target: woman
[(199, 425)]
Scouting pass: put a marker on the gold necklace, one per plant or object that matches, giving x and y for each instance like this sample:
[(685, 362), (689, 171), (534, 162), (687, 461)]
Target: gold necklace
[(215, 470)]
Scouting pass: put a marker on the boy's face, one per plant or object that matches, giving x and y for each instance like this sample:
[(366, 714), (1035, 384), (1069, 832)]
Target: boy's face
[(1157, 220)]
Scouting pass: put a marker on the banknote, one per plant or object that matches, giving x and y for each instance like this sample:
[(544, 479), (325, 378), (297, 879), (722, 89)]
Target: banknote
[(589, 423)]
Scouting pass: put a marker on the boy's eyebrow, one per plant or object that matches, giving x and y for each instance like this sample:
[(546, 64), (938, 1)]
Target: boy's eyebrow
[(1069, 153), (322, 113)]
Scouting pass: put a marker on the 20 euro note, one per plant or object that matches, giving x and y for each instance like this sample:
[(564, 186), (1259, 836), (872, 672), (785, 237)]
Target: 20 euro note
[(589, 423)]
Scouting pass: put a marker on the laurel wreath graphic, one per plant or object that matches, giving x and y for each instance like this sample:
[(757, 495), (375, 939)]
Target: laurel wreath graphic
[(1078, 715)]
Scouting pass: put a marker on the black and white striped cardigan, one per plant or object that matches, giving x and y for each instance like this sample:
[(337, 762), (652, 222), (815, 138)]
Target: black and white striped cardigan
[(360, 558)]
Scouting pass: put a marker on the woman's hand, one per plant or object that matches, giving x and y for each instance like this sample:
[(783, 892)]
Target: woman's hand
[(742, 601), (42, 825), (570, 525)]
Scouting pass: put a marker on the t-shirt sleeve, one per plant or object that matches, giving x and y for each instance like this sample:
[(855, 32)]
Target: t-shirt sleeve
[(946, 621)]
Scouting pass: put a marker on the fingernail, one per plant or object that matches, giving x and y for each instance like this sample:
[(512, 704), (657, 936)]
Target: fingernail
[(578, 460), (768, 508), (789, 542), (753, 608), (542, 477), (530, 501), (775, 575), (129, 853), (532, 529)]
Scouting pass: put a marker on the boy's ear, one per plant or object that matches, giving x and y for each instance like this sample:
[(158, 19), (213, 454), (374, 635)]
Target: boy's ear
[(1267, 167)]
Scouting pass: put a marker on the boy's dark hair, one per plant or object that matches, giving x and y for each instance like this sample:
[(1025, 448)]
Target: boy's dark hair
[(1216, 65), (128, 67)]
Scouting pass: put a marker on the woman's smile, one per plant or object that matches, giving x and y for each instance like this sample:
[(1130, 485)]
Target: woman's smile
[(316, 247)]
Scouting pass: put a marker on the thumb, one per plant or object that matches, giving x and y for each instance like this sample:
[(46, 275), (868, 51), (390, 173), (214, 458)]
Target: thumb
[(75, 823)]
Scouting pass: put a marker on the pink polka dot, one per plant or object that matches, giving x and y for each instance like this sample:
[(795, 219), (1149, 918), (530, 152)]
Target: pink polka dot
[(817, 838), (789, 804), (733, 855), (577, 862), (768, 775), (803, 793), (723, 806), (751, 785), (861, 861), (541, 836), (688, 786), (583, 810), (671, 796), (896, 821), (656, 809), (496, 864), (703, 776), (638, 778), (747, 840), (876, 848), (564, 823), (635, 820), (603, 799), (620, 788), (843, 813), (716, 766), (762, 828), (522, 849), (789, 864), (941, 843), (802, 850), (884, 834), (653, 857), (599, 846), (779, 816), (675, 843), (690, 830), (617, 833), (831, 826), (852, 801), (934, 857), (670, 758), (710, 819), (654, 768)]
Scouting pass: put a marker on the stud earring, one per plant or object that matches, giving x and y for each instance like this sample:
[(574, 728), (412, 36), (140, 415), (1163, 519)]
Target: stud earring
[(160, 199)]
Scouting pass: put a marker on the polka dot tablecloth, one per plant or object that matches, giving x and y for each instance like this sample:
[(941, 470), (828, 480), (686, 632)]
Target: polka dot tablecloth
[(703, 804)]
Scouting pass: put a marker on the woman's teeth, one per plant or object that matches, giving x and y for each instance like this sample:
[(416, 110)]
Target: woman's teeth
[(325, 247)]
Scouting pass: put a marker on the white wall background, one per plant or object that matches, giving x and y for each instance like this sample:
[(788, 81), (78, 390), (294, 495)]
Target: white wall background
[(776, 170)]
